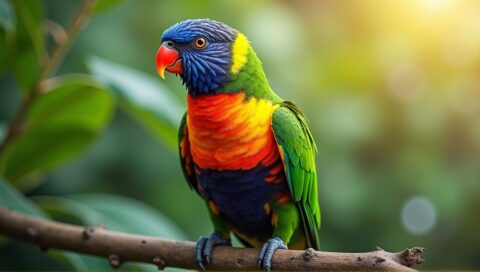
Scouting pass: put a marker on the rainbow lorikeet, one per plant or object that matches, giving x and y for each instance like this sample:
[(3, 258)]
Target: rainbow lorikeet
[(248, 153)]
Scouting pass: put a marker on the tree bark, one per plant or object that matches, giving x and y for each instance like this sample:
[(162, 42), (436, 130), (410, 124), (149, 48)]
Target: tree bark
[(119, 247)]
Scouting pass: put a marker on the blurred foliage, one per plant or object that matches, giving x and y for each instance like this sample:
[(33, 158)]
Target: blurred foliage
[(58, 125), (392, 91), (144, 97), (25, 51)]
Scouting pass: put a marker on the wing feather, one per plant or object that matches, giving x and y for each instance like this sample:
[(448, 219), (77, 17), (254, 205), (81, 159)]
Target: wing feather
[(295, 141)]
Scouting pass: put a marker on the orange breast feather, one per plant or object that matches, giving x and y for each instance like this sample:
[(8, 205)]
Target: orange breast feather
[(230, 131)]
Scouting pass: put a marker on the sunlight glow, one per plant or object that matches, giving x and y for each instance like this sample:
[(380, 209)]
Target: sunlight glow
[(434, 4)]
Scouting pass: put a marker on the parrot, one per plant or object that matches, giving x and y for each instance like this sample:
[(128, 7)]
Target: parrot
[(249, 154)]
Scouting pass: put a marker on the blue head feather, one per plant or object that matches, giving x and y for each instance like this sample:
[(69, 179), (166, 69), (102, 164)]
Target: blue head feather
[(205, 69)]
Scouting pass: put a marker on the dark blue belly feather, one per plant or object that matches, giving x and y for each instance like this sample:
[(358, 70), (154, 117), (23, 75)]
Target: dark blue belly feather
[(241, 195)]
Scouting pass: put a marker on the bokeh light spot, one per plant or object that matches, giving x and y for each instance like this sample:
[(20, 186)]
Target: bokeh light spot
[(418, 215)]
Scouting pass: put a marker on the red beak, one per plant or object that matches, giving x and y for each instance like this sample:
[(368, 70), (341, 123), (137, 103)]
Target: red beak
[(168, 59)]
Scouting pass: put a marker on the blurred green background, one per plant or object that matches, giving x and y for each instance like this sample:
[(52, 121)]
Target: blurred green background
[(392, 90)]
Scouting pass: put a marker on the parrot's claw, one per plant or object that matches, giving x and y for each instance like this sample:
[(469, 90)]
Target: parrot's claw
[(266, 253), (205, 245)]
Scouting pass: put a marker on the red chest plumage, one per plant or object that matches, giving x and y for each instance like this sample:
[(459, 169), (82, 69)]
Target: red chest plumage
[(230, 131)]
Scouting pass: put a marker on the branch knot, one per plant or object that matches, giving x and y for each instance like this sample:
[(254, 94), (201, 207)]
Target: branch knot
[(159, 262), (32, 233), (308, 254), (88, 233), (114, 260), (412, 256)]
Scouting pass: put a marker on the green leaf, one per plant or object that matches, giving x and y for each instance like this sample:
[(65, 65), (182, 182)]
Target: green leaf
[(4, 53), (3, 132), (29, 48), (12, 199), (104, 5), (7, 29), (144, 97), (26, 69), (114, 213), (59, 125)]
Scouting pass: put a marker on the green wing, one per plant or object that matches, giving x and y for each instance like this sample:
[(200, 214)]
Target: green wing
[(295, 141), (184, 154)]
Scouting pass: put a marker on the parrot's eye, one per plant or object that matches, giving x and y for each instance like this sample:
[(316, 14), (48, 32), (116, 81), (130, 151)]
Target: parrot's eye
[(200, 42)]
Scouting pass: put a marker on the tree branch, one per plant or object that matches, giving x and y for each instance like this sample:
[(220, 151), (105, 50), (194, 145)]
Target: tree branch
[(120, 247), (76, 24)]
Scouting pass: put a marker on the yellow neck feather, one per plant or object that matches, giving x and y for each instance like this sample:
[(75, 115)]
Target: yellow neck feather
[(239, 53)]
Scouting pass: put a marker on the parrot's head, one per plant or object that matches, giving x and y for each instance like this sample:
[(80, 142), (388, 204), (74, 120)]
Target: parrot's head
[(205, 53)]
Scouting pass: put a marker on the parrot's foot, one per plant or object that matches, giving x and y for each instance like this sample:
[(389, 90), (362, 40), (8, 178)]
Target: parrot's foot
[(205, 245), (266, 253)]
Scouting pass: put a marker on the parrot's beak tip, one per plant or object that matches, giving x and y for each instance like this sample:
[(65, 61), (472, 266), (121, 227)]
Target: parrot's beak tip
[(161, 73)]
